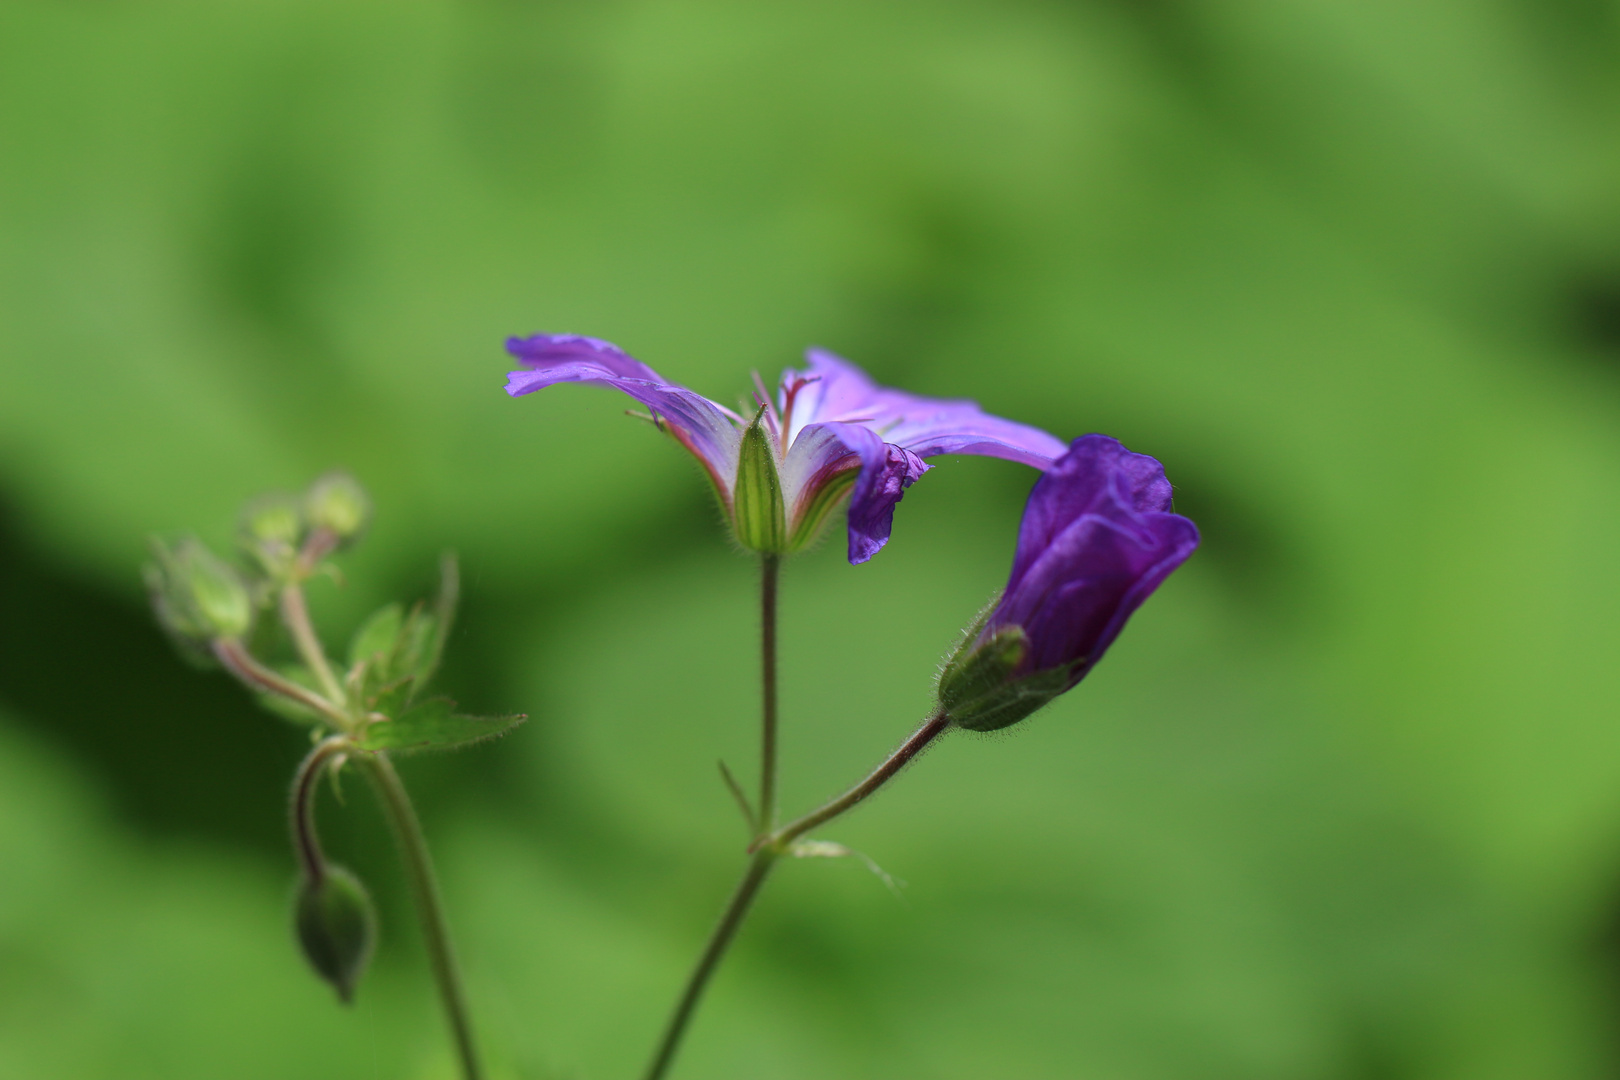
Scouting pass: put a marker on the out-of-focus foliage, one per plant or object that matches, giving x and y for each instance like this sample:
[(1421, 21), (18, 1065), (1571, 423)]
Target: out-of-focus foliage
[(1343, 802)]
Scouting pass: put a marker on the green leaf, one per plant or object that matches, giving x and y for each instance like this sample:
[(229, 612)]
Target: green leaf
[(378, 635), (443, 617), (433, 724)]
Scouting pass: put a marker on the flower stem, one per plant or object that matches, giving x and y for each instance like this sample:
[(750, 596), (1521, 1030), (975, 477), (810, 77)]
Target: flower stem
[(295, 614), (239, 662), (759, 867), (766, 850), (306, 842), (931, 729), (770, 567), (429, 908)]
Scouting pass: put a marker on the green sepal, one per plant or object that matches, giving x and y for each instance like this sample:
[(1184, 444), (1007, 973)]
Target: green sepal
[(980, 688), (757, 510), (433, 724), (981, 667), (1011, 702), (336, 925)]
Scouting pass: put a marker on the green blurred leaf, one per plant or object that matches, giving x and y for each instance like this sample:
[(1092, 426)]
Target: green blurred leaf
[(377, 635), (433, 724)]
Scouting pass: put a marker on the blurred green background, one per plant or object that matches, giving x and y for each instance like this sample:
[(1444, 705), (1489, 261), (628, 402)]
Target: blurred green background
[(1344, 802)]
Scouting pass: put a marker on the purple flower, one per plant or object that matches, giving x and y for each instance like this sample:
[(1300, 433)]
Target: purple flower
[(829, 432), (1096, 540)]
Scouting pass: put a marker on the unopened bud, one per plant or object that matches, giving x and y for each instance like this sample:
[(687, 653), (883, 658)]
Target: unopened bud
[(197, 596), (336, 502), (270, 528), (757, 510), (337, 926)]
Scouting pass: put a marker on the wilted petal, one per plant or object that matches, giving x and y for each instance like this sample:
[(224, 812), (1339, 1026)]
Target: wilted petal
[(708, 430), (825, 451), (835, 390)]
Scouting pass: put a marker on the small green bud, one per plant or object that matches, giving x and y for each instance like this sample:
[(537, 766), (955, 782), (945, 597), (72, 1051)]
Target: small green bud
[(337, 926), (273, 519), (336, 502), (981, 689), (198, 596), (270, 529), (757, 510)]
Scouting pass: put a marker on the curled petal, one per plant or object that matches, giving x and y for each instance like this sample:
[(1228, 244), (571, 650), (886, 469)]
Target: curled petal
[(835, 390), (825, 453), (708, 430)]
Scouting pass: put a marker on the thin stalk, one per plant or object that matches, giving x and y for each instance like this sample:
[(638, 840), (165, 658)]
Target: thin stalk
[(295, 614), (770, 567), (766, 850), (245, 666), (931, 729), (429, 908), (741, 900), (306, 842)]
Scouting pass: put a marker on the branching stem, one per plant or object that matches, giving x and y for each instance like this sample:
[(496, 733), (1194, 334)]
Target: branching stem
[(765, 851)]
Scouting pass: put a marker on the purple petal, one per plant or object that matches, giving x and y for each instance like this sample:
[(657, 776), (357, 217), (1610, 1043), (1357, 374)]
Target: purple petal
[(834, 390), (822, 451), (1077, 595), (1098, 474), (1093, 545), (708, 430)]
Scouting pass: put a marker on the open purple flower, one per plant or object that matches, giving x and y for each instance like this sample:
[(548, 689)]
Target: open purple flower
[(828, 432), (1097, 538)]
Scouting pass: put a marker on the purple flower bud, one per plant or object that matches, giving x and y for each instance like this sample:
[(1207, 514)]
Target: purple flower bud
[(1097, 538)]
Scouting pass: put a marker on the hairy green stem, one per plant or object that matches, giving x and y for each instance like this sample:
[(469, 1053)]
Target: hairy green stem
[(931, 729), (295, 614), (770, 567), (236, 659), (301, 813), (741, 900), (429, 908), (765, 851)]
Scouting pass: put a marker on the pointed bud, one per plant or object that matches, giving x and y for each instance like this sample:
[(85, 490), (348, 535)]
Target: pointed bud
[(981, 688), (198, 596), (336, 502), (337, 926), (756, 502)]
